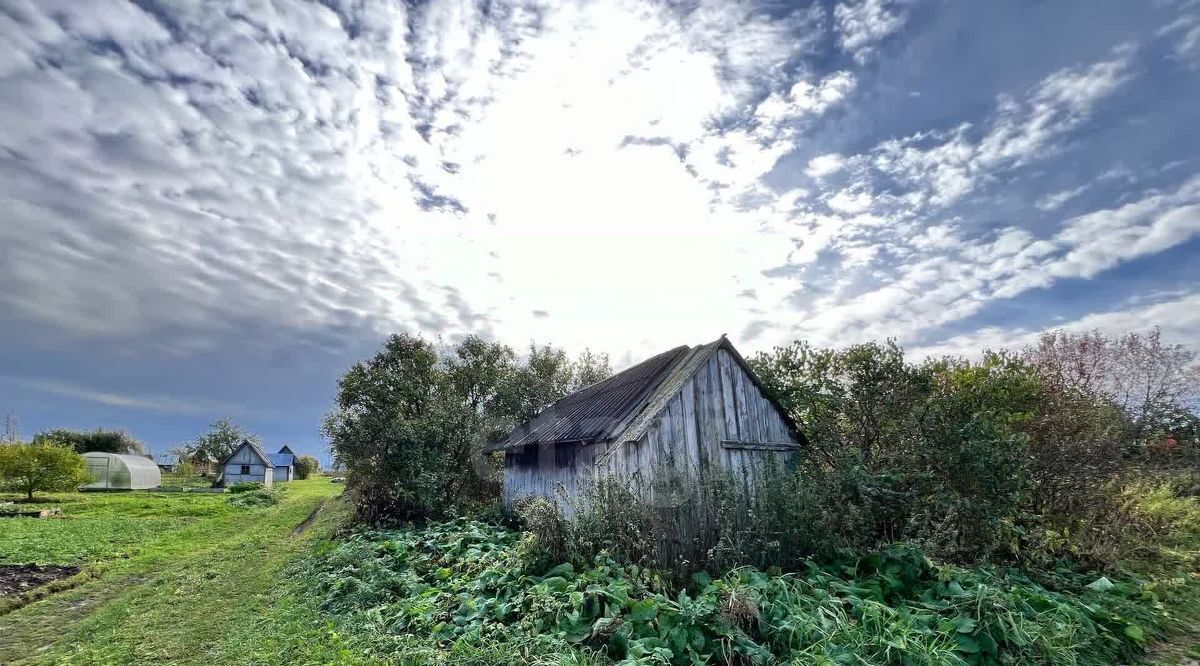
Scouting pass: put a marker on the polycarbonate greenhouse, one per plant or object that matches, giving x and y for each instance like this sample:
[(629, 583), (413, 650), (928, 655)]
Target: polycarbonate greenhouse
[(113, 471)]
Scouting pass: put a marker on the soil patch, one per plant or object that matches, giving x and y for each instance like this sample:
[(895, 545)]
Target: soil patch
[(17, 579)]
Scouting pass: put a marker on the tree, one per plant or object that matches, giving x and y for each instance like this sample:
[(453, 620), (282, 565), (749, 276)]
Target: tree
[(306, 466), (865, 396), (589, 368), (409, 424), (43, 466), (104, 441), (385, 430), (471, 397), (9, 436), (219, 442)]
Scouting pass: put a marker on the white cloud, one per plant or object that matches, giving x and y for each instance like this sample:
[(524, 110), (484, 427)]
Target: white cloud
[(1179, 319), (152, 403), (1058, 199), (862, 24), (825, 165), (288, 170), (258, 163)]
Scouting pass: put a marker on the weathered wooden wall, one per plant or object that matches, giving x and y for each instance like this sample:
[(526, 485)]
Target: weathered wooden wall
[(718, 415)]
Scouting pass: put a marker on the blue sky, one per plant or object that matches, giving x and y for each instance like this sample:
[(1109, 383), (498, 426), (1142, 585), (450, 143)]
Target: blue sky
[(212, 209)]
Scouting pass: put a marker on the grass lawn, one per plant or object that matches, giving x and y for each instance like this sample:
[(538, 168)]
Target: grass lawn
[(169, 578)]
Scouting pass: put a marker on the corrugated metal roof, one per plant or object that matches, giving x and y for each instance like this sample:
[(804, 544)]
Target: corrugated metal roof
[(282, 459), (593, 412)]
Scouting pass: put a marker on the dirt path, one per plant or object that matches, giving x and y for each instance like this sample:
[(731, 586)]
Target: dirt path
[(307, 522), (168, 608)]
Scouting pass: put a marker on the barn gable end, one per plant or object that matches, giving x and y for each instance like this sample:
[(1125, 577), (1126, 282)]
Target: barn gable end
[(704, 407)]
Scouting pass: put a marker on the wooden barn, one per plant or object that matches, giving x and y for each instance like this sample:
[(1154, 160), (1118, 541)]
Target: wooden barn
[(247, 463), (686, 412)]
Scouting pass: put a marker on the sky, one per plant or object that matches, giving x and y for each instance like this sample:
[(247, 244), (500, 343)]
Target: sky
[(214, 208)]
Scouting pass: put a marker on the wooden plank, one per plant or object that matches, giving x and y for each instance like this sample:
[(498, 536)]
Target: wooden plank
[(728, 401), (691, 429), (680, 452), (732, 458), (759, 446), (746, 429)]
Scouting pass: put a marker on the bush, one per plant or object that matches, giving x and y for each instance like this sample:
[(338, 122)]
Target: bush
[(244, 487), (306, 466)]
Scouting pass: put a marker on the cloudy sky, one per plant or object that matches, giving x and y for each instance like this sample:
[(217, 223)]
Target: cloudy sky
[(213, 208)]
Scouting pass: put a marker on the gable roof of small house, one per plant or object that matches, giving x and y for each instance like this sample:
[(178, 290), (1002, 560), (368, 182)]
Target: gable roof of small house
[(282, 459), (254, 446), (623, 406), (288, 450)]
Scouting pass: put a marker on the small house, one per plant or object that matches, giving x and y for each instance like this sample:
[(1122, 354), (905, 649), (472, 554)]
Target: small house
[(687, 412), (285, 464), (247, 463), (114, 471)]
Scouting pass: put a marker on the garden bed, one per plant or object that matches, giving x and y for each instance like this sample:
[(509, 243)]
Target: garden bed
[(18, 579)]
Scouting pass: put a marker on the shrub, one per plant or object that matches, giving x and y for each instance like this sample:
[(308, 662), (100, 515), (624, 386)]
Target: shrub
[(45, 466), (306, 466), (245, 487)]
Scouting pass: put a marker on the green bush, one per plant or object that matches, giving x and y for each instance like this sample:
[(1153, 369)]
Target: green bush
[(244, 487)]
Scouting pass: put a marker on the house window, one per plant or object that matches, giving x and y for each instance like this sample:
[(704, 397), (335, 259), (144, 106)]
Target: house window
[(245, 469)]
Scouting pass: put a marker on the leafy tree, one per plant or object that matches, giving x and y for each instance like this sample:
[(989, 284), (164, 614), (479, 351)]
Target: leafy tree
[(408, 424), (219, 442), (474, 377), (306, 466), (545, 377), (590, 368), (864, 396), (43, 466), (385, 429), (104, 441)]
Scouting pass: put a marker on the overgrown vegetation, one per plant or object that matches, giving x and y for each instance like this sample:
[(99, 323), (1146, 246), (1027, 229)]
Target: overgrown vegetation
[(1054, 489), (255, 495), (306, 466), (463, 592)]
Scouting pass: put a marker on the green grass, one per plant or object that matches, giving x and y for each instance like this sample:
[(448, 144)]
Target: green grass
[(191, 571), (96, 527), (172, 480)]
